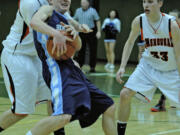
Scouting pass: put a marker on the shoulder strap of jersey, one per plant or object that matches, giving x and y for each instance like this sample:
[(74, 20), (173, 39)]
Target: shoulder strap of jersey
[(141, 27), (170, 35)]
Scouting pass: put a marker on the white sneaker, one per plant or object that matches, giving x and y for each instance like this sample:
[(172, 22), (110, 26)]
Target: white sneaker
[(111, 66), (107, 65)]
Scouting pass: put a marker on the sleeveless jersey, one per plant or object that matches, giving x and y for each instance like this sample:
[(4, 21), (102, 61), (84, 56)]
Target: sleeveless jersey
[(20, 38), (49, 64), (159, 49)]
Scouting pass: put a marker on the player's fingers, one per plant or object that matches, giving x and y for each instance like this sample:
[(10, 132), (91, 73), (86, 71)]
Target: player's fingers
[(61, 50), (69, 29), (69, 39), (58, 52), (65, 48), (63, 24), (73, 33), (53, 48)]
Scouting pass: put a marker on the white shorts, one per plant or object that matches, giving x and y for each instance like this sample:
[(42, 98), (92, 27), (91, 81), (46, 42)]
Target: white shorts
[(145, 80), (24, 82)]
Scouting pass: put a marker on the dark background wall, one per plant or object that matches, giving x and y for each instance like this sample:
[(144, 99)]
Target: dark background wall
[(128, 9)]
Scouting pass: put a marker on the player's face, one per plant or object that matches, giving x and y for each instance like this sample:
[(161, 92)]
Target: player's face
[(84, 4), (151, 6), (112, 14), (61, 5)]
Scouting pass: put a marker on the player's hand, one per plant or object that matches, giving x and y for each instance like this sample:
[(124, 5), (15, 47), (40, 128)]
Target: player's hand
[(70, 29), (85, 29), (98, 35), (119, 75), (59, 41)]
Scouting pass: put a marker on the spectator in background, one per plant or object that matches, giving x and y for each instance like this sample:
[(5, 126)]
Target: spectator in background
[(88, 15), (111, 26)]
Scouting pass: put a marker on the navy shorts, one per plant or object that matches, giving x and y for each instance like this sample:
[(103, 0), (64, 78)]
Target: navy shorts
[(73, 93)]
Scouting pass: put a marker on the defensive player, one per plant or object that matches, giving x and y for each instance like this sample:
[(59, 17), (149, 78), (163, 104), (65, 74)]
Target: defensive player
[(160, 62)]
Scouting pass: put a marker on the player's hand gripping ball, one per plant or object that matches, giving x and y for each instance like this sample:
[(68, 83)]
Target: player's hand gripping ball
[(72, 47)]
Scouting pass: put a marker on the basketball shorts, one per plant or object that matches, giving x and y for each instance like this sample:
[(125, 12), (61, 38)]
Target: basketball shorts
[(145, 80), (74, 94), (24, 82)]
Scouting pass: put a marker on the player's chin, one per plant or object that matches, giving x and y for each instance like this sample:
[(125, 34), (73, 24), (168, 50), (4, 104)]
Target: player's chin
[(64, 8), (147, 12)]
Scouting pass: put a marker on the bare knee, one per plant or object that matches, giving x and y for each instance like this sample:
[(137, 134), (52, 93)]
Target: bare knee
[(110, 111), (126, 94), (20, 116), (65, 118)]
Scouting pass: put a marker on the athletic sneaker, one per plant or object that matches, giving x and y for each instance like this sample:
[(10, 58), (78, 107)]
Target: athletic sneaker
[(158, 108), (107, 66), (111, 67)]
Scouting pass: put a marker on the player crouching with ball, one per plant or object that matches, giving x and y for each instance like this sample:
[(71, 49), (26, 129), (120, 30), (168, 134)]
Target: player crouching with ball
[(73, 96)]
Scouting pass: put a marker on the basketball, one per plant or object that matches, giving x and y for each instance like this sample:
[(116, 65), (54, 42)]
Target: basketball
[(72, 47)]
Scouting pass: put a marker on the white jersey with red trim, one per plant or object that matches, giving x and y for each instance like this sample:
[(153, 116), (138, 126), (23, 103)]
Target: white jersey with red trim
[(20, 38), (159, 49)]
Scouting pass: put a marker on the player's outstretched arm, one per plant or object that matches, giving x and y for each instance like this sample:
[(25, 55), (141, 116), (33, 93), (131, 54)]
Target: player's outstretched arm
[(38, 24), (135, 30), (176, 42), (38, 21)]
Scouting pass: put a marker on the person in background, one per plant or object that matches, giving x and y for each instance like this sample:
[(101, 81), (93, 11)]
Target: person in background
[(88, 15), (111, 26)]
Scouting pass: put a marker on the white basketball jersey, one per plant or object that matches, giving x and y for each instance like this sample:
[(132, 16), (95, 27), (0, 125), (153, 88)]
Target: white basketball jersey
[(20, 38), (159, 49)]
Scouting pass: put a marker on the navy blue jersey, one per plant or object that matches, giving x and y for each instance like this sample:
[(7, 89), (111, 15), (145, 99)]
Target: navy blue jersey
[(40, 44), (71, 91)]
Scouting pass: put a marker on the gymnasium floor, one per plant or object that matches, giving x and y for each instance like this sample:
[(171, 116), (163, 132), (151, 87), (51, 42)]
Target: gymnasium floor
[(142, 121)]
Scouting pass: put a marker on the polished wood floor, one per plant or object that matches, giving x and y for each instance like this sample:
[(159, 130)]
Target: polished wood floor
[(141, 122)]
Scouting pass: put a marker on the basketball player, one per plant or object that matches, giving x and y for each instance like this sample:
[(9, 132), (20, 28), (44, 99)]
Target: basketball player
[(160, 106), (21, 66), (160, 62), (74, 97)]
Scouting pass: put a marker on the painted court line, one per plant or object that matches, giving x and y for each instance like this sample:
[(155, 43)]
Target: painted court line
[(166, 132), (106, 74)]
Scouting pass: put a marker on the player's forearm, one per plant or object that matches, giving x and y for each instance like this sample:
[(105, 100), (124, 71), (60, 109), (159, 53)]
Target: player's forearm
[(126, 54), (42, 27), (75, 24)]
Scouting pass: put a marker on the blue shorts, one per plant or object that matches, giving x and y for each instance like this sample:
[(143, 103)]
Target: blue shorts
[(73, 93)]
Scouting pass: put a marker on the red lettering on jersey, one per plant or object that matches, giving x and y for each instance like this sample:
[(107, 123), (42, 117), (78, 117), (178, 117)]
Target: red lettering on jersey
[(158, 42)]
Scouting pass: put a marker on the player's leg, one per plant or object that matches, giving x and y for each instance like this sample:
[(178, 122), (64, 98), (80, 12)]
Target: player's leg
[(108, 121), (107, 51), (100, 104), (139, 83), (112, 55), (8, 118), (124, 109), (170, 89), (160, 106), (50, 124), (19, 80)]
